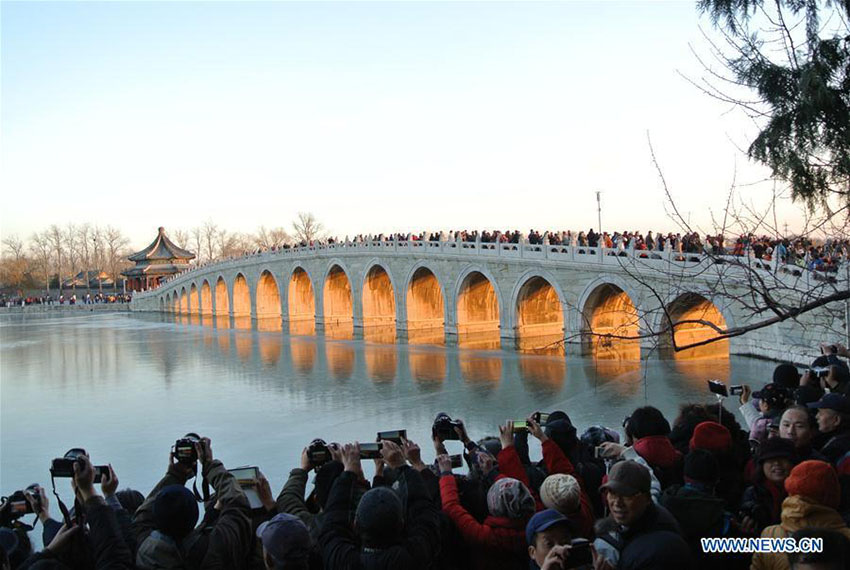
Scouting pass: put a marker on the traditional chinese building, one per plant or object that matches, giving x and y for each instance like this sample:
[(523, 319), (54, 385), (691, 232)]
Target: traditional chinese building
[(160, 260)]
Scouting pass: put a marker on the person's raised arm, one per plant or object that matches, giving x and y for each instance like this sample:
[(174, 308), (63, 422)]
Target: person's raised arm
[(177, 473), (110, 550), (337, 541)]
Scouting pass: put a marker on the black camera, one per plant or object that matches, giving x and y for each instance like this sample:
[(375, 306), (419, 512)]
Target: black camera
[(394, 436), (444, 428), (580, 554), (15, 506), (64, 466), (457, 460), (718, 387), (371, 450), (319, 452), (185, 450)]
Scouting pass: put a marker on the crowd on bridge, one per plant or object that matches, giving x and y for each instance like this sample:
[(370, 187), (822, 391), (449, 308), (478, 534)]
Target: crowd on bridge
[(647, 497), (801, 252)]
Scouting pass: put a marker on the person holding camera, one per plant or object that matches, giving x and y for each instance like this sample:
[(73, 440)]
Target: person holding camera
[(554, 462), (99, 542), (389, 531), (164, 524), (291, 499)]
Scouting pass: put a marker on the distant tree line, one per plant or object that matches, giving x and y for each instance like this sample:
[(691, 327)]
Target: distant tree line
[(56, 255)]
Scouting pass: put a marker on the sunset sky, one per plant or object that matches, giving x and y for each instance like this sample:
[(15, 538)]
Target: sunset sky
[(376, 117)]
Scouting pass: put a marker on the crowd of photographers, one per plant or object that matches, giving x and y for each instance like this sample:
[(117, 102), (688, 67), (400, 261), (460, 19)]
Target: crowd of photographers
[(591, 500)]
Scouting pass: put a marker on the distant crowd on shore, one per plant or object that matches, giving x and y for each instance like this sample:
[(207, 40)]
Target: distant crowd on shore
[(769, 489), (72, 299)]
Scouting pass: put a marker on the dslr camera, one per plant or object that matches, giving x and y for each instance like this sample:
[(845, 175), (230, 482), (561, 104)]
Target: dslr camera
[(64, 466), (16, 505), (184, 449), (444, 427), (319, 453)]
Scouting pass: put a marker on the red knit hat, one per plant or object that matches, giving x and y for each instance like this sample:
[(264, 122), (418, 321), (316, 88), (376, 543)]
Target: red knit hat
[(816, 480), (711, 436)]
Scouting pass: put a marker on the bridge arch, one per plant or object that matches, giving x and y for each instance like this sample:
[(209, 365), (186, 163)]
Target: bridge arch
[(301, 302), (267, 296), (689, 306), (539, 308), (378, 296), (206, 298), (607, 307), (337, 298), (168, 306), (193, 299), (478, 302), (184, 301), (241, 296), (222, 299), (425, 306)]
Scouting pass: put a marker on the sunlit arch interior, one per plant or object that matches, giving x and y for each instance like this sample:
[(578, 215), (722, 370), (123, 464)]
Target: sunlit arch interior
[(222, 303), (477, 312), (607, 316), (301, 303), (193, 300), (540, 316), (695, 307), (378, 299), (241, 297), (268, 297), (206, 298), (336, 298), (425, 308)]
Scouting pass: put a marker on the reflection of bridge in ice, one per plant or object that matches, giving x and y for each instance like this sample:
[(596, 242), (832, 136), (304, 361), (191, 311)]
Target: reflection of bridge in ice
[(483, 294)]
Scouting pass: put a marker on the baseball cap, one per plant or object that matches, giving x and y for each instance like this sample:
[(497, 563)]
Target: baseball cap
[(285, 538), (543, 520)]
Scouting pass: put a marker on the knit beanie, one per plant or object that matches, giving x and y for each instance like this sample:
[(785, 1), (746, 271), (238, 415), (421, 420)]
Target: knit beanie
[(175, 511), (561, 492), (711, 436), (509, 498), (816, 480), (379, 517)]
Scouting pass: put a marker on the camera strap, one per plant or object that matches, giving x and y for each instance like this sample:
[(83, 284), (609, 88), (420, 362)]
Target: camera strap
[(66, 515)]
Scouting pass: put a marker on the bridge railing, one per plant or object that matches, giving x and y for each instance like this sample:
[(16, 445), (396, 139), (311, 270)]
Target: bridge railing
[(565, 253)]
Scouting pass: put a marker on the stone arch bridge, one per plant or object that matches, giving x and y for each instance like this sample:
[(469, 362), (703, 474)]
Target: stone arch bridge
[(519, 293)]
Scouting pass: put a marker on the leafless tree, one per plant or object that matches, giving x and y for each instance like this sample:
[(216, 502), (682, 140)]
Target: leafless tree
[(72, 246), (55, 236), (98, 249), (84, 239), (14, 246), (116, 251), (197, 238), (210, 234), (181, 238), (268, 238), (42, 250), (307, 227)]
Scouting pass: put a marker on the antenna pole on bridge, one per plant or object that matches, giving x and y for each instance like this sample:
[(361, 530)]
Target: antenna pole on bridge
[(599, 210)]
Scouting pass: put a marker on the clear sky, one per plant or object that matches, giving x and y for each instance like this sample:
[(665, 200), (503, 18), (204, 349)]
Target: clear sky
[(375, 116)]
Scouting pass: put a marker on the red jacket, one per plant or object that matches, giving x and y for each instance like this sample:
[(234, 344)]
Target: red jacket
[(497, 543), (556, 461), (658, 451)]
